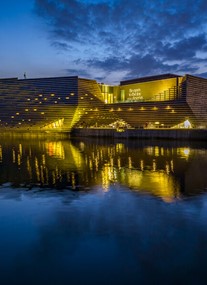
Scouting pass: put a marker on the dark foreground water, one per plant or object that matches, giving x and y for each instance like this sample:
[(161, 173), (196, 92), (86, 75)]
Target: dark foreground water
[(102, 212)]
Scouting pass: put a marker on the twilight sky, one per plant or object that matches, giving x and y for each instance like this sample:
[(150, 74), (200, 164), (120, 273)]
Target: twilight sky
[(101, 39)]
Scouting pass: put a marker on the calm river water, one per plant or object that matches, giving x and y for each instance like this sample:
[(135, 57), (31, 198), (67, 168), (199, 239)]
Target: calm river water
[(102, 212)]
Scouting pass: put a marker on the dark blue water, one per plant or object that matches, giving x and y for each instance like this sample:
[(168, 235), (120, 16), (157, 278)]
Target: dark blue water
[(91, 212)]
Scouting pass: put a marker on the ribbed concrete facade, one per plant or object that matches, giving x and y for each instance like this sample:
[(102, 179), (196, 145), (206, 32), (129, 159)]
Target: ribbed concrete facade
[(62, 103)]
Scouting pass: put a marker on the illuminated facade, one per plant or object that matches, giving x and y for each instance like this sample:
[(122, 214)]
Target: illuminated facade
[(61, 103)]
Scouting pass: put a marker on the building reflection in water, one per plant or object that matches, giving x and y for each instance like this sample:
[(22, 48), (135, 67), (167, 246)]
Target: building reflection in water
[(169, 171)]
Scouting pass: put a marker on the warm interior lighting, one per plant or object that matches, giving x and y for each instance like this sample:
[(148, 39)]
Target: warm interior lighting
[(187, 124)]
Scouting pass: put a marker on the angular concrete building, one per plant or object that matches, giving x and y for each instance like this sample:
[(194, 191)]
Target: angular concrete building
[(62, 103)]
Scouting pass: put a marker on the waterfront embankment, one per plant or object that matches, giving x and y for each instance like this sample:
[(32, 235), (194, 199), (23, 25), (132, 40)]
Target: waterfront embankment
[(172, 134)]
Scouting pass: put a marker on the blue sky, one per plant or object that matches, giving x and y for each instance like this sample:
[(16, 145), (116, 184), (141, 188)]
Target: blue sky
[(105, 40)]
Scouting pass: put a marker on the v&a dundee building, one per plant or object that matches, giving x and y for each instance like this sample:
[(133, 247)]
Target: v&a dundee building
[(62, 103)]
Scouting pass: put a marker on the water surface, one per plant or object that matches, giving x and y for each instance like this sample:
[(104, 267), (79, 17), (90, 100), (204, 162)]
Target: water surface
[(102, 212)]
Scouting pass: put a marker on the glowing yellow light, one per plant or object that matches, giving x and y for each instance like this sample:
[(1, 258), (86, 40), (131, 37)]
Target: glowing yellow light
[(72, 94), (130, 162), (142, 165), (142, 108), (36, 99), (55, 102), (35, 110), (26, 110), (154, 108), (154, 165), (40, 95), (12, 117), (45, 99), (42, 113), (67, 98), (52, 95), (168, 107), (157, 123), (28, 99)]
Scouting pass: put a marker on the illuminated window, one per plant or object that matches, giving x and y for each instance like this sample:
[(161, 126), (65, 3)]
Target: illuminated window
[(40, 95), (12, 117), (72, 94), (45, 99), (28, 99), (35, 110), (17, 113), (67, 98), (36, 99), (52, 95), (55, 102), (26, 110), (42, 113)]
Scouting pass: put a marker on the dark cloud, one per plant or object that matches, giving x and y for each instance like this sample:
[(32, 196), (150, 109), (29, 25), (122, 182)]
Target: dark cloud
[(81, 73), (139, 37), (61, 46), (204, 75)]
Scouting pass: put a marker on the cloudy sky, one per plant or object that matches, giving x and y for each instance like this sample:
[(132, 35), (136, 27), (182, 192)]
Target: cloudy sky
[(101, 39)]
